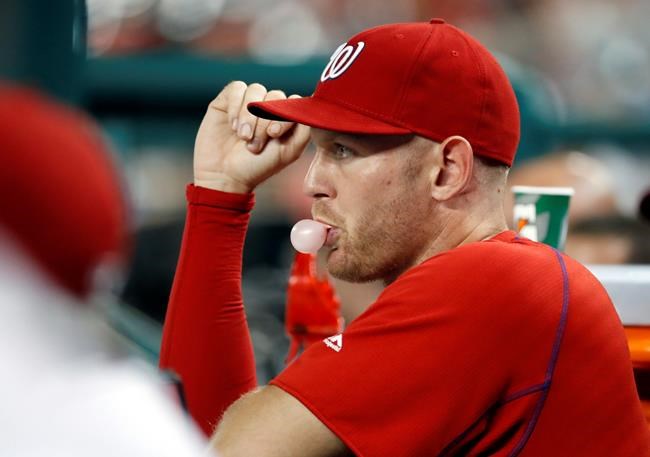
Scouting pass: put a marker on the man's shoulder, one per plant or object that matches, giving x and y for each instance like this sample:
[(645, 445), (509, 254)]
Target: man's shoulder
[(505, 268), (500, 269), (503, 253)]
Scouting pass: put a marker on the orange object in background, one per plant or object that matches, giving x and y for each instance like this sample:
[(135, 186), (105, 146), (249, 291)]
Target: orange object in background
[(313, 311), (638, 340)]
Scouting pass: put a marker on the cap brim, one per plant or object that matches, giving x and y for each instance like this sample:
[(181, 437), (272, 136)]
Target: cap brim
[(323, 114)]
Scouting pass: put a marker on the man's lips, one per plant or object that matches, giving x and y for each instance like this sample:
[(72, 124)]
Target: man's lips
[(333, 233), (332, 236)]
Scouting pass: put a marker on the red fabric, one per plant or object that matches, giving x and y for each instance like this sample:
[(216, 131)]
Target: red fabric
[(313, 310), (502, 347), (205, 338), (431, 79), (60, 194)]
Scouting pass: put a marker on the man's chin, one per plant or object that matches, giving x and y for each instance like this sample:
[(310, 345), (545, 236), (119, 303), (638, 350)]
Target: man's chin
[(347, 271)]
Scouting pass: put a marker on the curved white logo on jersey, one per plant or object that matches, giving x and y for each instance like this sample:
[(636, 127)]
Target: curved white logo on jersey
[(341, 60)]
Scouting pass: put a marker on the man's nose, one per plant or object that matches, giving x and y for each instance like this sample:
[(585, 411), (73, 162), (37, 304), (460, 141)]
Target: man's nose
[(318, 180)]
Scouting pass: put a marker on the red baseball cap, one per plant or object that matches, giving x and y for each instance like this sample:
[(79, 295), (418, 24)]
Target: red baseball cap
[(431, 79), (61, 198)]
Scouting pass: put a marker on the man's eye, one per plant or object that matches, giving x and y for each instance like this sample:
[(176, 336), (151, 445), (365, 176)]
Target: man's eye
[(342, 152)]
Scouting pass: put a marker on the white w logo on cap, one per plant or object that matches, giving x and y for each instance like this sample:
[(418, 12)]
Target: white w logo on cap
[(341, 60)]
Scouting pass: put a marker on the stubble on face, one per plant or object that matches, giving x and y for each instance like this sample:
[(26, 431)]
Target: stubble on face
[(388, 235)]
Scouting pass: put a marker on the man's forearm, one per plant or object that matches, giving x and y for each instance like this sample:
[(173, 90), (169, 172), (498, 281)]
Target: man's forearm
[(271, 423), (206, 339)]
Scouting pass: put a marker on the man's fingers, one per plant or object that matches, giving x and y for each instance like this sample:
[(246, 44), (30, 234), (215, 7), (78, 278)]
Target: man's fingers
[(256, 132), (260, 135), (229, 99), (295, 144), (276, 129), (246, 122), (233, 95)]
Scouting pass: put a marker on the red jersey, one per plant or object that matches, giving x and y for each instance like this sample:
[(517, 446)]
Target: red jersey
[(503, 347)]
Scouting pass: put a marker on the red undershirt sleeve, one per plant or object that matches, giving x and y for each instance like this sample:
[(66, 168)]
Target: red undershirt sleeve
[(205, 337)]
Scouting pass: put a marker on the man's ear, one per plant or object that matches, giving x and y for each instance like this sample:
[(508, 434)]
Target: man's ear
[(456, 161)]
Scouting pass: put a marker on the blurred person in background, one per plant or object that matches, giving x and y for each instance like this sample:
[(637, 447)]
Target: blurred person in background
[(644, 206), (599, 231), (591, 180), (480, 344), (68, 388), (610, 240)]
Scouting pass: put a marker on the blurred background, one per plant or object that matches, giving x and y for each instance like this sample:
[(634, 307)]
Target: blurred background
[(146, 70)]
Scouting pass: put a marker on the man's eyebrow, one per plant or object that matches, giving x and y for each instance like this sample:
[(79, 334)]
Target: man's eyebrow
[(350, 138), (374, 142), (344, 139)]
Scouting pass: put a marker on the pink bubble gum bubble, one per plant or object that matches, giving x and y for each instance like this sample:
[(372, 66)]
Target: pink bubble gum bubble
[(308, 236)]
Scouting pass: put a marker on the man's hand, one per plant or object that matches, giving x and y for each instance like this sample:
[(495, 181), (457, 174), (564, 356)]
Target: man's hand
[(234, 150)]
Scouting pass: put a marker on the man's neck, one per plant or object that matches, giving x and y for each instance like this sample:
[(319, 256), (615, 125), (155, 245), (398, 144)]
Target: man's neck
[(460, 229)]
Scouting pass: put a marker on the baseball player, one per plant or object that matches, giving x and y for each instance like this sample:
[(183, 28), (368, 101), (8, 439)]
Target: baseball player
[(482, 343)]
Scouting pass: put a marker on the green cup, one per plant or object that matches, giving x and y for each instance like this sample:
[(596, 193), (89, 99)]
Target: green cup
[(542, 213)]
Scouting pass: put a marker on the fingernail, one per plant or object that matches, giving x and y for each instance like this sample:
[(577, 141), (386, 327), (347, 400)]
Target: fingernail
[(245, 131), (254, 145), (234, 124), (274, 128)]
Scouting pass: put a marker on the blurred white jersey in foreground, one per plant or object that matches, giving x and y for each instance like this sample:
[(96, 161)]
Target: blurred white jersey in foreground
[(64, 392)]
